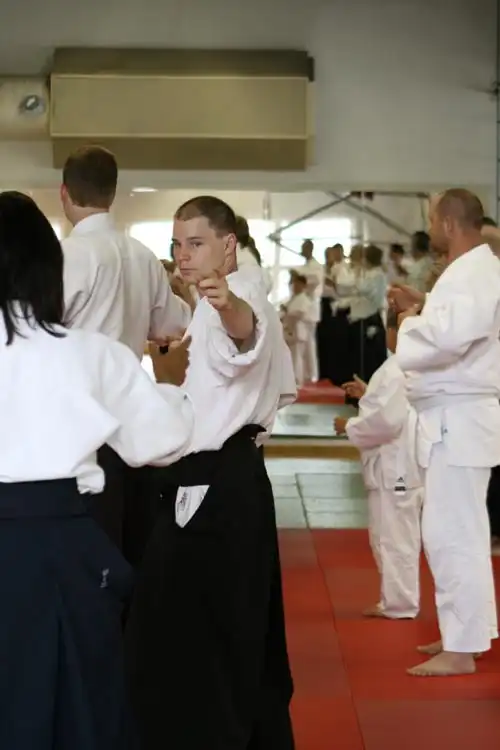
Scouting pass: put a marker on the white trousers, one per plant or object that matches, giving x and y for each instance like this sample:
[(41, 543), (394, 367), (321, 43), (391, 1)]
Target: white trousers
[(456, 537), (298, 350), (395, 539), (311, 355)]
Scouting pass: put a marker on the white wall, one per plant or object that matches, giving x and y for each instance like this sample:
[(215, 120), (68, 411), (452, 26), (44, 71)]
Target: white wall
[(400, 85)]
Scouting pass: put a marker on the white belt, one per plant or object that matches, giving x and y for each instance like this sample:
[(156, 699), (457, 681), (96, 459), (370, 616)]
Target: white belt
[(449, 399), (430, 425), (408, 448)]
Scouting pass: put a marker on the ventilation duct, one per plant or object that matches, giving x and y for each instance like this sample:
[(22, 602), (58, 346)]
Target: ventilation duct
[(184, 109), (24, 109)]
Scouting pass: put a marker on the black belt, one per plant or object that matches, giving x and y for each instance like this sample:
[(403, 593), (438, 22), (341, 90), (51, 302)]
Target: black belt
[(202, 468), (47, 499)]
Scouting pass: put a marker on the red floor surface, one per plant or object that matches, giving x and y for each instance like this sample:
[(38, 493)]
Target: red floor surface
[(320, 393), (351, 689)]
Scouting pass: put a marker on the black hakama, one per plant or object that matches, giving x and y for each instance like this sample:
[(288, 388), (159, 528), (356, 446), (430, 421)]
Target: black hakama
[(206, 650), (107, 508), (367, 346), (128, 506), (62, 585), (493, 501), (340, 366), (324, 338)]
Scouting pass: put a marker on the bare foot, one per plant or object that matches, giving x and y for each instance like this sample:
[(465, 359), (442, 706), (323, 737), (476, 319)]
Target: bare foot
[(445, 664), (375, 611), (432, 649), (378, 611)]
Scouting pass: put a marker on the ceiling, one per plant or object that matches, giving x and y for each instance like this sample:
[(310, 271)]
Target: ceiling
[(35, 29), (393, 77)]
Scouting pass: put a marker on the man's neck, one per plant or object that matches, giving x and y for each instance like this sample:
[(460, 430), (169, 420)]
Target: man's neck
[(85, 213), (465, 244)]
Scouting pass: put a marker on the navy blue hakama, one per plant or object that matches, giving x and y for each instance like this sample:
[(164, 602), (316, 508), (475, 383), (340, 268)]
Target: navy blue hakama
[(62, 584)]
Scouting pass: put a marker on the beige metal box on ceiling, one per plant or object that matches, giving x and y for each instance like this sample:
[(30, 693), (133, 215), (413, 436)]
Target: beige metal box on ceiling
[(185, 109)]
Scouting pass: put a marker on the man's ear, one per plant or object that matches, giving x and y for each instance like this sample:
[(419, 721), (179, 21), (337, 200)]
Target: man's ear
[(231, 243), (448, 226)]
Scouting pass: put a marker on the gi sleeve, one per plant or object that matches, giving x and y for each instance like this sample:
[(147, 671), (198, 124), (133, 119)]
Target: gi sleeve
[(444, 332), (170, 315), (383, 411), (77, 282), (155, 421), (314, 277), (225, 356), (301, 308)]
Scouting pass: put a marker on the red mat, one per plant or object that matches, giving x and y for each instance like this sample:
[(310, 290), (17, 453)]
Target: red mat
[(322, 392), (351, 689)]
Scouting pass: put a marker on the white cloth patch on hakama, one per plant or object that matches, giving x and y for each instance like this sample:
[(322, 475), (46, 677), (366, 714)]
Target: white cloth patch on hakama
[(187, 502)]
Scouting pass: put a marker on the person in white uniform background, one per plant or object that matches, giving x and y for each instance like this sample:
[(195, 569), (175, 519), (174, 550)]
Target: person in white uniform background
[(384, 431), (450, 354), (313, 271), (296, 316), (418, 271), (367, 335), (491, 234), (205, 639), (114, 285), (399, 265), (347, 274), (247, 254), (63, 394), (334, 258)]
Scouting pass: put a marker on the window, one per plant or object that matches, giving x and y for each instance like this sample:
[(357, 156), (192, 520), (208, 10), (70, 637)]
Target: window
[(260, 231), (157, 235), (281, 292), (323, 232)]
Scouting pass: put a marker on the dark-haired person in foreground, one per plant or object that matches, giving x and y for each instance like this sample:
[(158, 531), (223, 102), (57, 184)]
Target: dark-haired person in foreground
[(205, 641), (63, 394), (116, 286)]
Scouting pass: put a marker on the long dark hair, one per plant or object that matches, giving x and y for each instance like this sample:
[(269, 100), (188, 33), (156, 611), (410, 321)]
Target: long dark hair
[(31, 266), (253, 249)]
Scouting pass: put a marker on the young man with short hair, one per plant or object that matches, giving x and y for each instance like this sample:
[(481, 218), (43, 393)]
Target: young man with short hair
[(205, 641), (116, 286)]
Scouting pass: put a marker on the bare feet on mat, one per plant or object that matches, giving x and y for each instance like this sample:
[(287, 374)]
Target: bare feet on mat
[(445, 664), (432, 649), (375, 611)]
